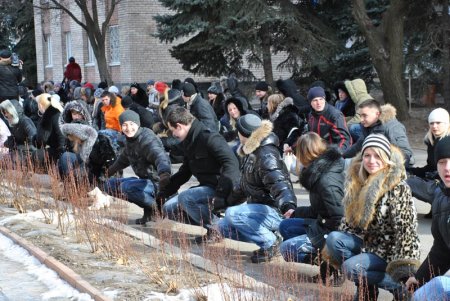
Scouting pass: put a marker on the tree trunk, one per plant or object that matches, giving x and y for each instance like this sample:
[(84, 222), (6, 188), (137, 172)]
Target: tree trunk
[(385, 43), (446, 56), (100, 55), (266, 54)]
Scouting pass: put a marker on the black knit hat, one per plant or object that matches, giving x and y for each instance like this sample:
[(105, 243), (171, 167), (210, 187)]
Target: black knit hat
[(316, 92), (126, 102), (442, 149), (135, 85), (262, 86), (188, 89), (129, 115), (247, 124)]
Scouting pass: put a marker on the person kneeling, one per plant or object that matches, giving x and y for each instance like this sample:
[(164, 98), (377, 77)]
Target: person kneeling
[(145, 154), (305, 231), (266, 185)]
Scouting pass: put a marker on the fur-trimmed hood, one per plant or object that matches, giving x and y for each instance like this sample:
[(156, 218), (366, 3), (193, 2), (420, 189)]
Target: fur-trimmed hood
[(326, 162), (79, 106), (257, 137), (388, 113), (361, 197), (288, 101), (86, 133), (237, 102), (14, 108)]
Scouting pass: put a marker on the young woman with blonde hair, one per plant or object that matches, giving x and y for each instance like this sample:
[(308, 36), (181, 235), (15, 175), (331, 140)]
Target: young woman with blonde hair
[(424, 180), (378, 244)]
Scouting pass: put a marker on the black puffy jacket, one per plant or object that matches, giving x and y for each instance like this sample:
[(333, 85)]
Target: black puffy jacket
[(324, 179), (264, 177), (145, 153), (438, 260)]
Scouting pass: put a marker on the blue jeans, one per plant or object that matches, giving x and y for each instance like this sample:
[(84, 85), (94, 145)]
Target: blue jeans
[(355, 131), (292, 227), (436, 289), (297, 246), (70, 163), (357, 266), (251, 223), (194, 202), (138, 191)]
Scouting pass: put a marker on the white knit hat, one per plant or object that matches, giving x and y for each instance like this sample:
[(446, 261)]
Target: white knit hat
[(439, 115), (113, 89)]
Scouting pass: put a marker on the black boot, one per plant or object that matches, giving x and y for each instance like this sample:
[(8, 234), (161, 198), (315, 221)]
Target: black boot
[(148, 214)]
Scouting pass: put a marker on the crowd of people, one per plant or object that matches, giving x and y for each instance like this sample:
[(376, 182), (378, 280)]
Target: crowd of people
[(352, 156)]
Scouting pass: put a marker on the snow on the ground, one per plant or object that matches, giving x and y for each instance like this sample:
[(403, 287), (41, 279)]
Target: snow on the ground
[(216, 292), (24, 262)]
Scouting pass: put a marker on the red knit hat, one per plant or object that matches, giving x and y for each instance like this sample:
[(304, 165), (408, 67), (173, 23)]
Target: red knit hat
[(161, 87), (89, 85)]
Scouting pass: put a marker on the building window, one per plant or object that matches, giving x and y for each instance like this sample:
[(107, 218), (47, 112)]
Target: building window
[(91, 55), (48, 48), (114, 44), (68, 38)]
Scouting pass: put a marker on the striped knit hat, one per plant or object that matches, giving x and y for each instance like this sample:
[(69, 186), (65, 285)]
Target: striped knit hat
[(377, 140)]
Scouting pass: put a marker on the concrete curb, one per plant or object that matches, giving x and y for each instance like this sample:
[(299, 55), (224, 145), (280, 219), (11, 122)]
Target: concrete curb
[(196, 260), (62, 270)]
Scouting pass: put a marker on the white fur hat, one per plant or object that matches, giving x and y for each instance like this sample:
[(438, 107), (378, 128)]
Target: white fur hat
[(439, 115)]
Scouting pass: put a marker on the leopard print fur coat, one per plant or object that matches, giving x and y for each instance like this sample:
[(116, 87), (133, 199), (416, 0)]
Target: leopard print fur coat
[(381, 211)]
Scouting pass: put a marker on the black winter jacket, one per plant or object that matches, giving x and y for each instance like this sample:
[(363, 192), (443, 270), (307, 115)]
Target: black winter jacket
[(22, 132), (438, 260), (145, 116), (285, 121), (289, 89), (324, 179), (10, 76), (203, 111), (208, 157), (265, 178), (330, 125), (428, 171), (145, 153), (49, 132)]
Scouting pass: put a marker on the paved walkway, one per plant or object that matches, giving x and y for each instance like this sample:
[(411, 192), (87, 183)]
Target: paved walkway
[(245, 249)]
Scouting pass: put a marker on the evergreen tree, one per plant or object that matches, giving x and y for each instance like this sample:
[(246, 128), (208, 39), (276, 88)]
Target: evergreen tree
[(17, 34), (222, 35)]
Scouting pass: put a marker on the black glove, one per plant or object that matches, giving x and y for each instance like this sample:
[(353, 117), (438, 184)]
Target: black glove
[(164, 181), (218, 204)]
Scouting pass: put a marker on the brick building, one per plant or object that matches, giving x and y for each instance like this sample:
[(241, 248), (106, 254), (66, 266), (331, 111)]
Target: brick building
[(133, 54)]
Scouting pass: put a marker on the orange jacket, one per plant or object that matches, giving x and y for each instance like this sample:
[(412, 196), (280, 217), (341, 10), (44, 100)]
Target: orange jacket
[(112, 115)]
